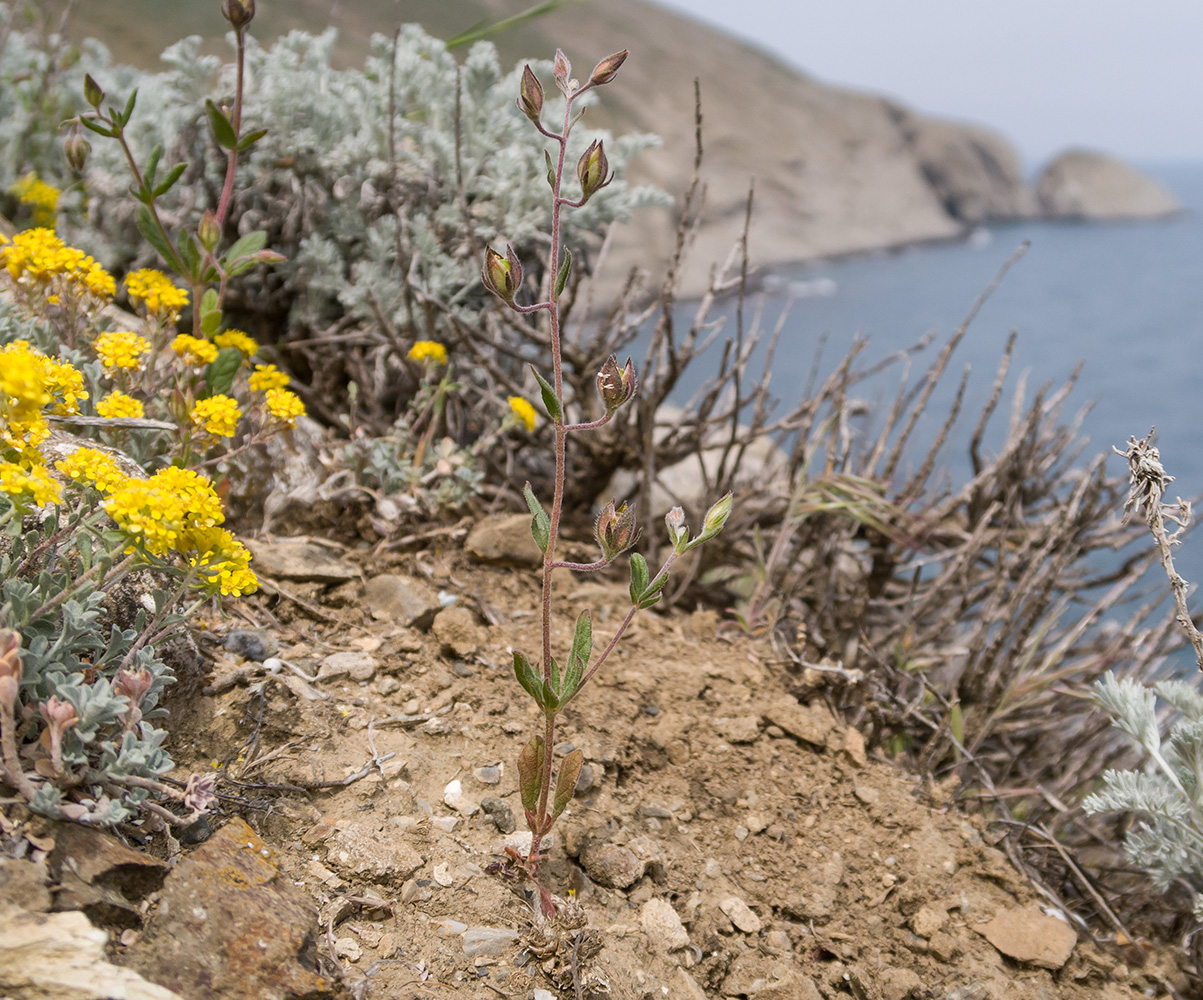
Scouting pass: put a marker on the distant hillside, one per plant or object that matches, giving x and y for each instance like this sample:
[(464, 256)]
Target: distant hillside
[(835, 171)]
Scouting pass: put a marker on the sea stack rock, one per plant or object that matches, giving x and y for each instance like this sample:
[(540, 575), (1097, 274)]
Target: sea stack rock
[(1090, 186), (974, 171)]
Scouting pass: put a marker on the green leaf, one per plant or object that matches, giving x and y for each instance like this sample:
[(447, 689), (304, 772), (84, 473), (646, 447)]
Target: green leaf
[(124, 117), (189, 253), (210, 303), (220, 372), (152, 165), (566, 781), (651, 593), (153, 236), (582, 649), (639, 577), (540, 525), (530, 772), (223, 131), (248, 140), (551, 402), (173, 175), (555, 678), (551, 171), (565, 268), (93, 126), (247, 245), (527, 677)]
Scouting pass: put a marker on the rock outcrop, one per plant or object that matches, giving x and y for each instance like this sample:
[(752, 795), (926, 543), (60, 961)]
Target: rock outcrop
[(1081, 184)]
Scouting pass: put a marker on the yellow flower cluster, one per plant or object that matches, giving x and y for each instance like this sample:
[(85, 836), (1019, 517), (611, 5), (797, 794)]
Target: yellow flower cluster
[(33, 482), (37, 257), (120, 349), (30, 381), (524, 411), (267, 377), (222, 561), (31, 190), (238, 339), (154, 290), (93, 467), (285, 406), (118, 404), (159, 511), (218, 415), (428, 350), (193, 350)]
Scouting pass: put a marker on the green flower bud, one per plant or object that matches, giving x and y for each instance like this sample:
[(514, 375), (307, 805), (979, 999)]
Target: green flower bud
[(593, 170), (77, 148), (92, 92), (606, 70), (502, 275), (615, 530), (209, 231), (716, 517), (615, 385), (530, 99)]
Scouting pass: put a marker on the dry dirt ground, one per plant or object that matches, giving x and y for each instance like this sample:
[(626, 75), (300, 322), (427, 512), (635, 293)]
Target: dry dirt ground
[(727, 840)]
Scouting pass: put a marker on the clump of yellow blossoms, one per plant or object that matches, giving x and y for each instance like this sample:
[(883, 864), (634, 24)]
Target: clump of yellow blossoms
[(118, 404), (120, 349), (33, 482), (159, 510), (218, 415), (428, 350), (221, 560), (193, 350), (285, 406), (92, 467), (524, 411), (267, 377), (29, 382), (154, 290), (42, 198), (237, 339), (38, 259)]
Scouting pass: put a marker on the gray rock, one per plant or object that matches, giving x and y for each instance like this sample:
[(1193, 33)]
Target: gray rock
[(499, 811), (489, 775), (737, 729), (356, 666), (663, 927), (299, 559), (230, 925), (251, 644), (504, 539), (401, 599), (585, 780), (1030, 935), (1080, 184), (802, 722), (359, 849)]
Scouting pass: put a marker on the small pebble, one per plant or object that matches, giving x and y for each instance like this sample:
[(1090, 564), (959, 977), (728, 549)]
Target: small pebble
[(453, 795), (444, 823), (741, 915), (488, 940), (450, 928), (412, 892), (389, 685), (499, 811), (461, 669), (487, 775), (251, 644), (585, 781)]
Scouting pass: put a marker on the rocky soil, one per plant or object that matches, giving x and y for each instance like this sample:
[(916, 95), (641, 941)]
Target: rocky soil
[(729, 836)]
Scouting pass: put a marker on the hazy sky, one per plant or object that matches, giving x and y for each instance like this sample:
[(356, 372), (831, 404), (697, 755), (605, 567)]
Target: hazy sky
[(1116, 75)]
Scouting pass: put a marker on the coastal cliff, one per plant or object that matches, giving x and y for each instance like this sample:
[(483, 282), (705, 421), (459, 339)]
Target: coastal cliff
[(834, 171)]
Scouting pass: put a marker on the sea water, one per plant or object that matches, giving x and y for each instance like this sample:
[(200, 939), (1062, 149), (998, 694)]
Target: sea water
[(1125, 299)]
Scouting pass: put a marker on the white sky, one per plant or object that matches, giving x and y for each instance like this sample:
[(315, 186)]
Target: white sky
[(1122, 76)]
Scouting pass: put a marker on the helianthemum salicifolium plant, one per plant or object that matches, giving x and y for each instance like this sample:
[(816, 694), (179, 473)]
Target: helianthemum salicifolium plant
[(553, 685)]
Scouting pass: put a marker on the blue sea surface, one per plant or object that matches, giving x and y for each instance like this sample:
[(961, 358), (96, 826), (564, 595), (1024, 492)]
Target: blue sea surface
[(1126, 299)]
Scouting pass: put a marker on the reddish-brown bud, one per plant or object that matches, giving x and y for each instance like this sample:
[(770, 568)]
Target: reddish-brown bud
[(502, 275), (561, 70), (10, 669), (77, 148), (607, 69), (615, 385), (593, 170), (530, 99), (239, 13), (615, 530)]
